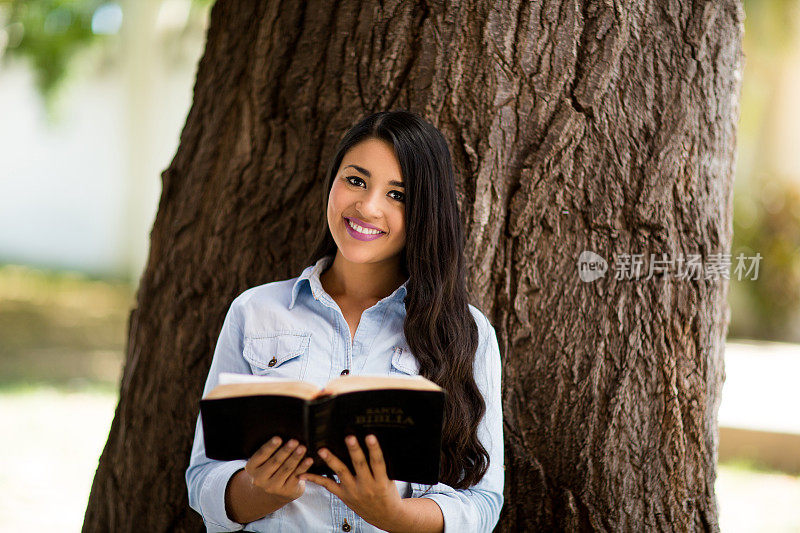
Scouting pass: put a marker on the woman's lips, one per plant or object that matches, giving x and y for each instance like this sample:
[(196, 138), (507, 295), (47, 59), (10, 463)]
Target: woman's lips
[(363, 224), (360, 236)]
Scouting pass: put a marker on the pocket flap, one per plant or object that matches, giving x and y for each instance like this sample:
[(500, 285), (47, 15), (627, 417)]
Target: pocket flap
[(260, 351), (404, 361)]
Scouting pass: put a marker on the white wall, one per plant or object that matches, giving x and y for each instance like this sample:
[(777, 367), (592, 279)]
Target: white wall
[(81, 194)]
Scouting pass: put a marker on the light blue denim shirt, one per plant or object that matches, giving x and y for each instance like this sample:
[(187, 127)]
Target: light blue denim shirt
[(299, 324)]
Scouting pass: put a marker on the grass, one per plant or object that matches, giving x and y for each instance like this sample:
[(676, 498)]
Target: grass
[(64, 330), (61, 355), (745, 464)]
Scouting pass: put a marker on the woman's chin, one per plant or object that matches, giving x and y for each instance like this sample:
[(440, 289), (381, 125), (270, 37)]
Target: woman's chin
[(357, 256)]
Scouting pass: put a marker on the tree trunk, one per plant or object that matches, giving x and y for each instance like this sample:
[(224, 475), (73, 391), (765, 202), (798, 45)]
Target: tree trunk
[(574, 125)]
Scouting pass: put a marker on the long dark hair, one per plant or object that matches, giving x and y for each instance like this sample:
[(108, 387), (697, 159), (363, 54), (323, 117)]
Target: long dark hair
[(439, 327)]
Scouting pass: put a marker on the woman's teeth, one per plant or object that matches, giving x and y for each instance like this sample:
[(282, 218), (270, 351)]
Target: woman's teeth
[(362, 230)]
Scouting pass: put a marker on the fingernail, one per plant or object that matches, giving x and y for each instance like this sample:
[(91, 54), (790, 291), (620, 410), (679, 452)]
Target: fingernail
[(323, 453), (351, 440), (292, 443), (371, 439), (300, 450), (276, 440)]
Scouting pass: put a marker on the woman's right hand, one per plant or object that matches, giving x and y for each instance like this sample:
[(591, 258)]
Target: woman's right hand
[(275, 470)]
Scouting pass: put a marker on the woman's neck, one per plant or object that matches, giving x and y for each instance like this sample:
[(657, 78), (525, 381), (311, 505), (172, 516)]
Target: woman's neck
[(361, 282)]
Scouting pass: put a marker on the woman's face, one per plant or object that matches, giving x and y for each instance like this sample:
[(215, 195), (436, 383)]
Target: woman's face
[(368, 190)]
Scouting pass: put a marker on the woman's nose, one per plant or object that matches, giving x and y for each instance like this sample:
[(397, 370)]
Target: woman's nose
[(369, 206)]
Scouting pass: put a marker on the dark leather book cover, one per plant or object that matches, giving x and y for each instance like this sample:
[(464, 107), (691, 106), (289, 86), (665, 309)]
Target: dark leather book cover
[(407, 423), (234, 428)]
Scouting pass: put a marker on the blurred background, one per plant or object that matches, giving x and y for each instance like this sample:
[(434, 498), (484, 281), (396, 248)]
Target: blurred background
[(93, 96)]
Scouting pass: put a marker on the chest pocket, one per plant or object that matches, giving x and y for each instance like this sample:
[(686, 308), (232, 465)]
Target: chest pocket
[(404, 362), (283, 355)]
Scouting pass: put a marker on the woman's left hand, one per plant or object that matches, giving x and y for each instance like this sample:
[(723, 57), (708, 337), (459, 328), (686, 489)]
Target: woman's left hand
[(370, 493)]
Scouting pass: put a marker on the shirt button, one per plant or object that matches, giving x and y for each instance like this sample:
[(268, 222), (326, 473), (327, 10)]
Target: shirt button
[(272, 361), (345, 526), (344, 373)]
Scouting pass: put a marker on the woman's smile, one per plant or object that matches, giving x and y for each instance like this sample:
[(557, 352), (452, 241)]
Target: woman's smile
[(361, 233)]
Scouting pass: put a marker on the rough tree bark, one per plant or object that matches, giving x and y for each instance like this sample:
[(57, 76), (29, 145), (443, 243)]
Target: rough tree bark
[(574, 125)]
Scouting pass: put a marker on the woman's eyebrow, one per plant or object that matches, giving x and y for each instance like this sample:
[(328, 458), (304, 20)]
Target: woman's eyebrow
[(367, 174)]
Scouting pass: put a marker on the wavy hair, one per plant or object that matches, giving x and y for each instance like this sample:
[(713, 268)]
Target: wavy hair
[(439, 328)]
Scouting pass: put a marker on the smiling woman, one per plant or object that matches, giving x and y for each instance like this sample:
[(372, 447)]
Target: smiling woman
[(385, 293), (364, 205)]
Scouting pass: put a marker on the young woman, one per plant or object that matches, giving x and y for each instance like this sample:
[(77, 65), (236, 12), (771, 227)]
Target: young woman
[(386, 294)]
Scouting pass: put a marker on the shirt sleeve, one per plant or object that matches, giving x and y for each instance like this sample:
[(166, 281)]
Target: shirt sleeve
[(478, 507), (207, 479)]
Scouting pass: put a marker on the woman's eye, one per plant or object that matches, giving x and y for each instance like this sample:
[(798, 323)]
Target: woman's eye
[(402, 196), (348, 178)]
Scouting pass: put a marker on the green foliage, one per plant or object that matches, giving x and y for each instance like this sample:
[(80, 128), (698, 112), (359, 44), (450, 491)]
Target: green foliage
[(767, 221), (766, 202), (49, 33), (770, 23)]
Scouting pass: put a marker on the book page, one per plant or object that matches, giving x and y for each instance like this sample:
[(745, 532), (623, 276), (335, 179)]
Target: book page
[(232, 385), (364, 382)]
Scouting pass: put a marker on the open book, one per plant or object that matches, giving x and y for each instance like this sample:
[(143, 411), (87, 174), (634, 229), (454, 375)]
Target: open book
[(405, 413)]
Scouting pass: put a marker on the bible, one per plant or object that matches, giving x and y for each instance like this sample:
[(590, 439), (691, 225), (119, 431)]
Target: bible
[(405, 413)]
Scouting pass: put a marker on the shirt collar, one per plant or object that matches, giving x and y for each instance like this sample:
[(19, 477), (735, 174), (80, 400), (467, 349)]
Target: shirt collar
[(311, 276)]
